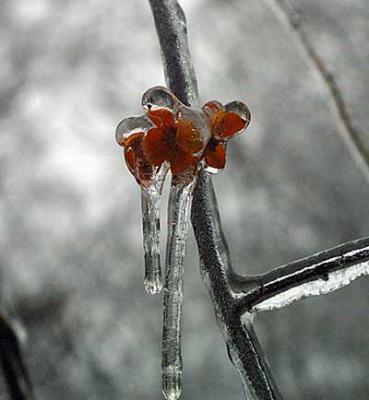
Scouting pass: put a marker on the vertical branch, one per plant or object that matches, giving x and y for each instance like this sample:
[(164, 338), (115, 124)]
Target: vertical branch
[(242, 344), (215, 266)]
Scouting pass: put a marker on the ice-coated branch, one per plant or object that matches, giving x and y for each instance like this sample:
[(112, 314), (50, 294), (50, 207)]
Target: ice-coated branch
[(170, 22), (234, 297), (242, 344), (312, 276), (243, 348), (359, 151)]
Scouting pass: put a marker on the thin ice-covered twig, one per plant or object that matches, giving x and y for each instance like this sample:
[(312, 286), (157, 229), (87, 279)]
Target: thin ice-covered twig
[(357, 147), (312, 276)]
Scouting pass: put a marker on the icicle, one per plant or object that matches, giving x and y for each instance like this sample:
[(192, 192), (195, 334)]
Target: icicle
[(150, 203), (178, 220), (130, 134)]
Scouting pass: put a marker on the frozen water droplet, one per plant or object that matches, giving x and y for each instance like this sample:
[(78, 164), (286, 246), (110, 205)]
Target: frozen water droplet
[(241, 110), (150, 202), (212, 107), (159, 97), (172, 383), (130, 126)]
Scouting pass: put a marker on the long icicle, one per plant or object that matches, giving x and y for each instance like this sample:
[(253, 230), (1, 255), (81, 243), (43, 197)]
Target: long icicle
[(179, 207), (150, 204)]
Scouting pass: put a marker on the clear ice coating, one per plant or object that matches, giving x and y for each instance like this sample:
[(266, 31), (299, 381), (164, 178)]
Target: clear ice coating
[(241, 109), (159, 97), (178, 221), (336, 280), (129, 126)]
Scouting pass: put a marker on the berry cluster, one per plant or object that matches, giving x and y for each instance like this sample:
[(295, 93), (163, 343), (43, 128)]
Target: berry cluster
[(179, 136)]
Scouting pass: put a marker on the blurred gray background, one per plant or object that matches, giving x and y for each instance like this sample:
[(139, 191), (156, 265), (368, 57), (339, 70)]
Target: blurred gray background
[(71, 261)]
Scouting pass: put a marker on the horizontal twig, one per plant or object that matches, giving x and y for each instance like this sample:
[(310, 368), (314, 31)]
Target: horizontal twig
[(315, 275)]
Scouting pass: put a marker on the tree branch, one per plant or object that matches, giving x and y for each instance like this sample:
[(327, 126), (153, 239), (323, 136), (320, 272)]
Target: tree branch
[(170, 22), (243, 347), (234, 296)]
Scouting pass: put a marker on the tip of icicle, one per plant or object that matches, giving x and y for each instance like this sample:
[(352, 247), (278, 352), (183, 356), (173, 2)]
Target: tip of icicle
[(172, 387), (171, 393), (153, 286)]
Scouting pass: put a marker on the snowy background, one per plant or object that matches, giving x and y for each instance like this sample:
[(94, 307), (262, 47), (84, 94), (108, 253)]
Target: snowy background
[(71, 262)]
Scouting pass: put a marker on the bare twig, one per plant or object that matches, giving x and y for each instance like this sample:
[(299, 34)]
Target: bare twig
[(358, 149)]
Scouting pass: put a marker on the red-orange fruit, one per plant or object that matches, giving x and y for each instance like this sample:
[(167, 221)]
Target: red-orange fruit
[(215, 154)]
